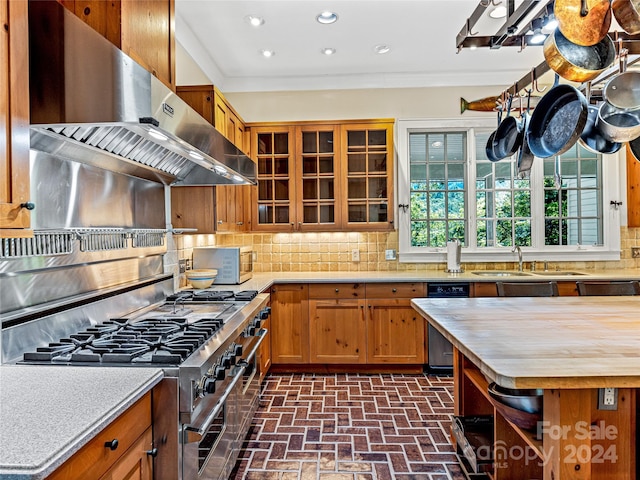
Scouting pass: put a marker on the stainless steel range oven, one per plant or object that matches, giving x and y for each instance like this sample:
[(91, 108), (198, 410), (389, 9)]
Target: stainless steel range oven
[(206, 341)]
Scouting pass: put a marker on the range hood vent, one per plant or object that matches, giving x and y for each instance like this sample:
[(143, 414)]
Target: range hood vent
[(93, 104)]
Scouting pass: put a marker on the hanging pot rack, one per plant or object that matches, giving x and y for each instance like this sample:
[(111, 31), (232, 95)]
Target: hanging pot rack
[(506, 36)]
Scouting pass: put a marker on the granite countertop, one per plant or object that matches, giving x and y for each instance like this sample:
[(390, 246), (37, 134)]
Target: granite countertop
[(47, 413), (550, 342), (261, 281)]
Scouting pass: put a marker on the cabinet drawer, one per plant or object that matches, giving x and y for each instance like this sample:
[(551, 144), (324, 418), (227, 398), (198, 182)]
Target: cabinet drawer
[(94, 459), (336, 290), (395, 290)]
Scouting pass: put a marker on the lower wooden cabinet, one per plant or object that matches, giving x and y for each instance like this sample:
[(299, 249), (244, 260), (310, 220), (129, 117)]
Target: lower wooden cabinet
[(135, 464), (337, 331), (347, 324), (130, 437), (290, 324), (264, 353)]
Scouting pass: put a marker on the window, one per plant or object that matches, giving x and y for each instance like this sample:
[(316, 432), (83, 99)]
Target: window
[(557, 210)]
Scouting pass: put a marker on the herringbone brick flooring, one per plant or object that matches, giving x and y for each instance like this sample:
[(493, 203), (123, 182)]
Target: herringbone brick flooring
[(351, 427)]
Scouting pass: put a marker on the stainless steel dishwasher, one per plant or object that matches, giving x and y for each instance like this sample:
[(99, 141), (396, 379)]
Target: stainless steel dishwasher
[(440, 349)]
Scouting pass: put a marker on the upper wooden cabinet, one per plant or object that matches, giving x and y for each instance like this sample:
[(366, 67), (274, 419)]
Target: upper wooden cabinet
[(143, 29), (224, 208), (14, 119), (323, 176)]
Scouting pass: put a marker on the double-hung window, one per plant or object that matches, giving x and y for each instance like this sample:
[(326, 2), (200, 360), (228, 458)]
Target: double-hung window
[(448, 189)]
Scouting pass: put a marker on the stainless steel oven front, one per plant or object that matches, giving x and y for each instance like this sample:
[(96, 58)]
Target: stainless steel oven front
[(211, 442)]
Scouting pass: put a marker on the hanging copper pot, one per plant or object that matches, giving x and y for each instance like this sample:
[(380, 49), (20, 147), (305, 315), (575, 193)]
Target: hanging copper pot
[(627, 13), (578, 63), (583, 22)]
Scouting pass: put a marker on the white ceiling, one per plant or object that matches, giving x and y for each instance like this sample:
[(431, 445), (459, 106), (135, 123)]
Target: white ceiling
[(421, 34)]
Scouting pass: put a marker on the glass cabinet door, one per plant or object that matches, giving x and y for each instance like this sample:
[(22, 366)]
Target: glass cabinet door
[(368, 171), (276, 185), (318, 175)]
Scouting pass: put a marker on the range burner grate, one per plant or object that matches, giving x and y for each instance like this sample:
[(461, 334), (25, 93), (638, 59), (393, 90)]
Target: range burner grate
[(212, 296)]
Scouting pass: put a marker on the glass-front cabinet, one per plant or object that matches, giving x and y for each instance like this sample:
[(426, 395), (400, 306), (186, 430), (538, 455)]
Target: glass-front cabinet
[(323, 177)]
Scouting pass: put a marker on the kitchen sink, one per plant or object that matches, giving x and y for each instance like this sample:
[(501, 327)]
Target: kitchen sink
[(559, 273), (500, 273)]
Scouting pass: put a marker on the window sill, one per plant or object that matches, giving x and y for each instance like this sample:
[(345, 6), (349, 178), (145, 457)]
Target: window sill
[(577, 254)]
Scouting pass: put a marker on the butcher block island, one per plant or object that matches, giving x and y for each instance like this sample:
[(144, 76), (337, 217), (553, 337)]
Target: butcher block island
[(580, 356)]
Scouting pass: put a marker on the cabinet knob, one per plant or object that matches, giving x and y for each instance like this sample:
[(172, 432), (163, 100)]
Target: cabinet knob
[(239, 223), (28, 205), (112, 445), (337, 290), (220, 222), (394, 290), (86, 10), (152, 453)]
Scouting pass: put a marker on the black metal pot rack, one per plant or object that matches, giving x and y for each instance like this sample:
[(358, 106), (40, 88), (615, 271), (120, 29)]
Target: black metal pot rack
[(507, 36)]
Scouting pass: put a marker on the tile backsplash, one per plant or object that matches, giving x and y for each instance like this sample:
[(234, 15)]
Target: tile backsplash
[(332, 251)]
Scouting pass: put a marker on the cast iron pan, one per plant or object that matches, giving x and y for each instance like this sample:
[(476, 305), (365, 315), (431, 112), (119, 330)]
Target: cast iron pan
[(489, 148), (592, 139), (557, 122), (508, 136)]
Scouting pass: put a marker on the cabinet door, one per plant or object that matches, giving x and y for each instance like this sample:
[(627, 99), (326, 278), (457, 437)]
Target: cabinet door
[(290, 324), (265, 350), (14, 119), (103, 17), (200, 98), (148, 36), (274, 202), (193, 207), (337, 331), (395, 332), (318, 178), (135, 464), (367, 154)]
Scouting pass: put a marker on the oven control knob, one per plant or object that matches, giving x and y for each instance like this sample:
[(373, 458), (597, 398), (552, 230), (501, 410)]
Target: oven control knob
[(264, 313), (257, 323), (220, 372), (210, 385), (251, 331), (237, 351), (226, 361)]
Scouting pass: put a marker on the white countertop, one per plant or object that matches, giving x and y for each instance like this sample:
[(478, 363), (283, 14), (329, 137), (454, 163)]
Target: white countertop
[(47, 413)]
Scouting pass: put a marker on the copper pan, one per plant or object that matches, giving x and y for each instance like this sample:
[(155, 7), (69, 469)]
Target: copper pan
[(583, 22), (578, 63), (627, 16)]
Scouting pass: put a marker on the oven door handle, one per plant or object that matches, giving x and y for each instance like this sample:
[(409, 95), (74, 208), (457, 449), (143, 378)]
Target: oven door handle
[(195, 434), (261, 334)]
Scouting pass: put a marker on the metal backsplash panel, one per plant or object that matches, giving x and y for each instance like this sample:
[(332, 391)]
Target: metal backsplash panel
[(69, 194)]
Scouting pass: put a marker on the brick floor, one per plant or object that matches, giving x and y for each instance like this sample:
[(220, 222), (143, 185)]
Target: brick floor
[(351, 427)]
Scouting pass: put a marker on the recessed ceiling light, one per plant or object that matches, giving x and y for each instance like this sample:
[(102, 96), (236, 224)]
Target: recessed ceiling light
[(382, 49), (499, 12), (267, 53), (327, 18), (254, 20), (328, 51)]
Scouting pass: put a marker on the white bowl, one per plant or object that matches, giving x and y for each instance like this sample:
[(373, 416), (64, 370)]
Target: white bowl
[(201, 278)]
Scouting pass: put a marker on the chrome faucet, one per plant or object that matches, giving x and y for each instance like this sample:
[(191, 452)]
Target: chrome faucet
[(519, 250)]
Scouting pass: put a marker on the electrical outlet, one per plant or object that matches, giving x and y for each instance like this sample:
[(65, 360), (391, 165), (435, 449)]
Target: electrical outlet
[(635, 252), (355, 255), (390, 254), (607, 399), (182, 266), (188, 264)]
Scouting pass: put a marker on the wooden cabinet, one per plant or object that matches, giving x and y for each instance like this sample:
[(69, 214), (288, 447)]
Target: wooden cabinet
[(337, 328), (367, 167), (130, 439), (348, 324), (14, 119), (226, 207), (143, 29), (395, 330), (290, 324), (633, 190), (323, 176)]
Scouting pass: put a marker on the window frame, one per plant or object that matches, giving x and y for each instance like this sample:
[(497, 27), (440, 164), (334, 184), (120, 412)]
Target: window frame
[(613, 179)]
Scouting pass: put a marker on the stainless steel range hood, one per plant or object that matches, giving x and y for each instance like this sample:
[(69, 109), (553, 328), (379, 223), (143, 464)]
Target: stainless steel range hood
[(93, 104)]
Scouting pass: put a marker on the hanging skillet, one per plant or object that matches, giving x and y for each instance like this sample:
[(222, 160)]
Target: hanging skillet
[(583, 22), (575, 62), (508, 135), (489, 148), (558, 121), (525, 155), (627, 13), (592, 138)]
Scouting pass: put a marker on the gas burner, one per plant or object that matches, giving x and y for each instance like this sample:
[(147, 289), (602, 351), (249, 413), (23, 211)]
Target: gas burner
[(159, 340), (212, 296)]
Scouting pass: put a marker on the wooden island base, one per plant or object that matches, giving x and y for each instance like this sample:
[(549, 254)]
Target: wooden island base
[(574, 440)]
